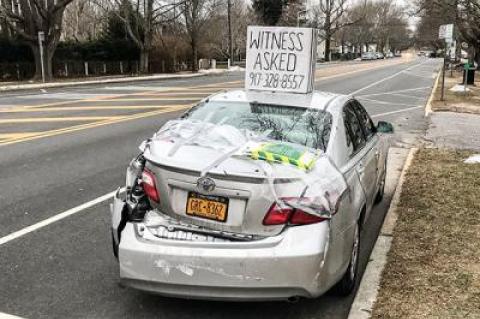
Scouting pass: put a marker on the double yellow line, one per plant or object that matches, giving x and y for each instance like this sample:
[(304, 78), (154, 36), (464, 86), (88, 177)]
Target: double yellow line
[(12, 138), (18, 137)]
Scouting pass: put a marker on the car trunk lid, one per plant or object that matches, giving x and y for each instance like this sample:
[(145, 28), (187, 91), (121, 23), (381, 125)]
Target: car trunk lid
[(206, 182)]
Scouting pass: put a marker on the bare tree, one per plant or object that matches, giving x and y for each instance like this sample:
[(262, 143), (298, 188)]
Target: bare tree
[(327, 16), (361, 31), (217, 35), (82, 21), (28, 17), (197, 13), (464, 14), (143, 19), (383, 23), (390, 24)]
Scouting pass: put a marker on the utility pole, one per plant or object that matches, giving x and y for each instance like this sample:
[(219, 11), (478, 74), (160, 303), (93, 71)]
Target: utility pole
[(230, 35)]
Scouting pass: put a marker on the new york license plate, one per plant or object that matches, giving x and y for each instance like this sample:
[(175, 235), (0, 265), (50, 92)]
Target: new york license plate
[(205, 206)]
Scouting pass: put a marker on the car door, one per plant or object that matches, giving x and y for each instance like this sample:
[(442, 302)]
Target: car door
[(370, 131), (364, 151)]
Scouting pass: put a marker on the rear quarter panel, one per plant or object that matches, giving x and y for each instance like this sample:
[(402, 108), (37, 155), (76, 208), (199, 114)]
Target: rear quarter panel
[(350, 207)]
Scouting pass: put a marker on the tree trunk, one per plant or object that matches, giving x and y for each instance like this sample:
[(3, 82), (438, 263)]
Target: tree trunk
[(49, 62), (48, 52), (144, 60), (327, 47), (194, 53), (38, 62)]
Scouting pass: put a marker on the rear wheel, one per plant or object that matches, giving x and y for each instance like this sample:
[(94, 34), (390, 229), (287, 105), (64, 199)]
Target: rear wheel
[(114, 246), (381, 189), (347, 284)]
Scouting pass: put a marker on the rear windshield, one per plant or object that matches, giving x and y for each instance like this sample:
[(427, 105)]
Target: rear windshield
[(308, 127)]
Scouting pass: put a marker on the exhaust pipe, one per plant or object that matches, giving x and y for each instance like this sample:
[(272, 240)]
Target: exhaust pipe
[(293, 299)]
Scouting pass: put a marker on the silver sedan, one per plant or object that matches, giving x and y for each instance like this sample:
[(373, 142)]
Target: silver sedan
[(251, 196)]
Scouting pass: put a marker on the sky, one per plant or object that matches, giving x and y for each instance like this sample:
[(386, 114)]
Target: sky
[(412, 21)]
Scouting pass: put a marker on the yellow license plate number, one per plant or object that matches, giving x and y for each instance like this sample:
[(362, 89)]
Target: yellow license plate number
[(208, 207)]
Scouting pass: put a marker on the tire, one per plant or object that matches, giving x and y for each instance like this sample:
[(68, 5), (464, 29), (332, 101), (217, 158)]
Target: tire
[(381, 190), (346, 285), (114, 246)]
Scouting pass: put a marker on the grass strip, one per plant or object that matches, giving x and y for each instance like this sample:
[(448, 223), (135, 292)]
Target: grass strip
[(433, 268)]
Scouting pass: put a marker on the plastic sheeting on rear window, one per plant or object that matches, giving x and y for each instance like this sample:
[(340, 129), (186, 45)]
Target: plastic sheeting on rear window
[(319, 184)]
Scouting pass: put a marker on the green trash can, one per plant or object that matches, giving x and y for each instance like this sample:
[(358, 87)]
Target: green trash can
[(470, 70)]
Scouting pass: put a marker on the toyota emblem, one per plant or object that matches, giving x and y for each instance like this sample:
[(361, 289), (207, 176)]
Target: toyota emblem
[(205, 184)]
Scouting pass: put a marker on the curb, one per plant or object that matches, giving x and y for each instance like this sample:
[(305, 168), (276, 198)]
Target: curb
[(33, 86), (428, 106), (366, 295)]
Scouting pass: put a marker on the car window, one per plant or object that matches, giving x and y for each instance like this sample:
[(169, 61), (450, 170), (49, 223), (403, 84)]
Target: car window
[(305, 126), (353, 127), (365, 120)]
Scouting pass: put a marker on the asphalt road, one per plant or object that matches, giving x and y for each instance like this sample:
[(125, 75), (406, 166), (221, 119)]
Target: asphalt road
[(63, 148)]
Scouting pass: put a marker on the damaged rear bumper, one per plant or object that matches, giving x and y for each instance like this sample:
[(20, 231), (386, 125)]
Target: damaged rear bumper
[(279, 267)]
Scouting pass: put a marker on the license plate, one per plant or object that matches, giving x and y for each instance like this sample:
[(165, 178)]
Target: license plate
[(209, 207)]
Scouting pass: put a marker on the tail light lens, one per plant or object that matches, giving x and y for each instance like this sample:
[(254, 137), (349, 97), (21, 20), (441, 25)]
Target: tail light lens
[(149, 185), (278, 215), (299, 217)]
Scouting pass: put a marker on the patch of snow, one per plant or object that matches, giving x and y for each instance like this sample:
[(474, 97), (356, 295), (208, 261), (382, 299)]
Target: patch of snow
[(474, 159), (236, 68), (211, 71), (459, 88)]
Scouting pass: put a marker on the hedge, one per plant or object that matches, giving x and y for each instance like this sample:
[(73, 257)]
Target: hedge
[(99, 50)]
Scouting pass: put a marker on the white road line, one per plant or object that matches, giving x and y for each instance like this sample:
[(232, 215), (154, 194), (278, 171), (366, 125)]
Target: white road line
[(386, 78), (397, 111), (399, 91), (386, 103), (7, 316), (407, 96), (55, 218)]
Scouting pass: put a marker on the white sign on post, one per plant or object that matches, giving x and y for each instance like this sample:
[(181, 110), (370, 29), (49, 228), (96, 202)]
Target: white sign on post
[(446, 32), (280, 59)]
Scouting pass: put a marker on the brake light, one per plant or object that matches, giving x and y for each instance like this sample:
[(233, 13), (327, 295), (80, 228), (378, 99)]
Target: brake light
[(149, 186), (277, 215), (302, 218)]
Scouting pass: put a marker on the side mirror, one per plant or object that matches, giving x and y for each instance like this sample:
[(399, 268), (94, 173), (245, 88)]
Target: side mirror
[(384, 127)]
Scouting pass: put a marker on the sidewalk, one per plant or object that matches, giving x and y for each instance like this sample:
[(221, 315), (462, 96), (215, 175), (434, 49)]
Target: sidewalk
[(15, 86)]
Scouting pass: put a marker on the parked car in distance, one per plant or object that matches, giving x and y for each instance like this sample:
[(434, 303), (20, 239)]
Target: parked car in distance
[(398, 54), (389, 55), (368, 56), (252, 196), (379, 55)]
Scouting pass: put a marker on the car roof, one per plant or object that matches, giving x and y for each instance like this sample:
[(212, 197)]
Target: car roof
[(315, 100)]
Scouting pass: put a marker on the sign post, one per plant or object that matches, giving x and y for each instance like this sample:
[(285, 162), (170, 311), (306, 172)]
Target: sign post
[(446, 33), (41, 38), (280, 59)]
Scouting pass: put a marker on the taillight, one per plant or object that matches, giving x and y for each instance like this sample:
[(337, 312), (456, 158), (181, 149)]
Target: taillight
[(278, 215), (149, 186), (299, 217)]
